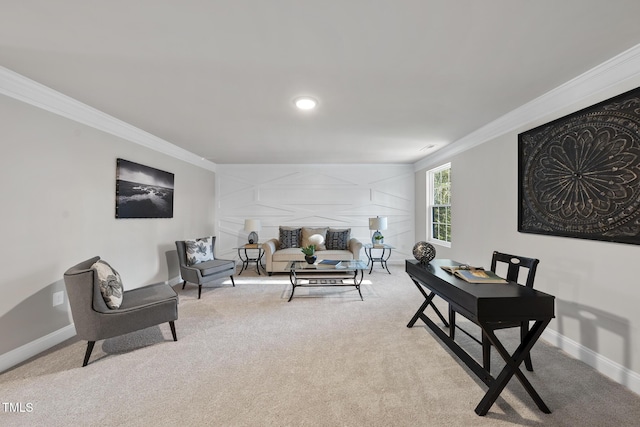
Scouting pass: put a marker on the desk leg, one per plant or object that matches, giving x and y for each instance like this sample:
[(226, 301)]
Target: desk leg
[(421, 309), (512, 367)]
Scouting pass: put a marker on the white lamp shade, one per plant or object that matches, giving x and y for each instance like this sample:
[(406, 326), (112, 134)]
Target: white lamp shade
[(378, 223), (252, 225)]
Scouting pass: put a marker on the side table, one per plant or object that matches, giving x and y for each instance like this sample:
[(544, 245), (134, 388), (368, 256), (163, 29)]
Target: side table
[(251, 252), (382, 258)]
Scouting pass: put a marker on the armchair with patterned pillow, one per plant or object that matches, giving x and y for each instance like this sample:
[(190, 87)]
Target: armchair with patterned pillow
[(102, 309), (198, 264)]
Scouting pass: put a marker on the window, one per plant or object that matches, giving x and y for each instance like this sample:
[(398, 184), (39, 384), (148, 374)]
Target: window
[(439, 205)]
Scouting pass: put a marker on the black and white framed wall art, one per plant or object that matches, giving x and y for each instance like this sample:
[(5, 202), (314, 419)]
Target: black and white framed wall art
[(143, 191), (579, 176)]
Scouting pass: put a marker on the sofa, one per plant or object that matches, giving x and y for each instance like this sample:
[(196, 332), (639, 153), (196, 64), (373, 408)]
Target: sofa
[(338, 245)]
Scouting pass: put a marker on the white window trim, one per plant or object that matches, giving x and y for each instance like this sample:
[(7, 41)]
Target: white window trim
[(430, 191)]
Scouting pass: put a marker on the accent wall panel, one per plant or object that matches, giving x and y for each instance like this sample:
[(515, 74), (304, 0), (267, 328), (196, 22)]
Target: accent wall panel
[(309, 195)]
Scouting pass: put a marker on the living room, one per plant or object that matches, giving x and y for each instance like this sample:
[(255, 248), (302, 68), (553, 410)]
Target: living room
[(59, 165)]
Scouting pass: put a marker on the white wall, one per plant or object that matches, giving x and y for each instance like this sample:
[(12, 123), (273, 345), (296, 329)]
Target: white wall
[(58, 198), (595, 283), (307, 195)]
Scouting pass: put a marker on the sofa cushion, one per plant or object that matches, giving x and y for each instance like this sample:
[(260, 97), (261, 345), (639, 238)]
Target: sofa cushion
[(290, 237), (110, 284), (214, 266), (308, 232), (148, 295), (338, 239), (295, 254), (289, 254), (199, 250)]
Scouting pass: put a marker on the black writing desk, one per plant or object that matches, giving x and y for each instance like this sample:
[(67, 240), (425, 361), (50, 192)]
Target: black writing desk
[(486, 305)]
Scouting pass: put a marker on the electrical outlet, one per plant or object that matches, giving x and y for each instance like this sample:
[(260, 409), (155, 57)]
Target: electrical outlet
[(58, 298)]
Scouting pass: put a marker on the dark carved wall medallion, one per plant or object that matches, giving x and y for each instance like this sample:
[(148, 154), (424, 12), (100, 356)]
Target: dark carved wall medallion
[(579, 176)]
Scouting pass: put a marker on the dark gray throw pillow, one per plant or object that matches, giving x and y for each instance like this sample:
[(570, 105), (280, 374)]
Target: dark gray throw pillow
[(338, 239), (290, 237)]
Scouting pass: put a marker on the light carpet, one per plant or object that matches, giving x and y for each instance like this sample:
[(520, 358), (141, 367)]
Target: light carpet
[(247, 357)]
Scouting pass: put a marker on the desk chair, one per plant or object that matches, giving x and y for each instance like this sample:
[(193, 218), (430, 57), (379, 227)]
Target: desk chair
[(514, 262)]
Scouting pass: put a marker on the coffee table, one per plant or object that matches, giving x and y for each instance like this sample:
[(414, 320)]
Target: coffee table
[(343, 273)]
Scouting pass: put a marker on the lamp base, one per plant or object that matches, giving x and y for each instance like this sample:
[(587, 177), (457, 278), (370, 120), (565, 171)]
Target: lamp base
[(377, 241), (253, 237)]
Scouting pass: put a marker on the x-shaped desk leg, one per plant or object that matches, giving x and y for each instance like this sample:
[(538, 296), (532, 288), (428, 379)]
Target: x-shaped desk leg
[(512, 367), (428, 301)]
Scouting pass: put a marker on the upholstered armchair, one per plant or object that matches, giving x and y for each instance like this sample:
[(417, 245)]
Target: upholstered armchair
[(204, 270), (140, 308)]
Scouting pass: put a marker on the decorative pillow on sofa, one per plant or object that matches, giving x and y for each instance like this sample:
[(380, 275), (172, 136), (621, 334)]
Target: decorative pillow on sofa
[(110, 283), (307, 232), (289, 237), (338, 239), (199, 250)]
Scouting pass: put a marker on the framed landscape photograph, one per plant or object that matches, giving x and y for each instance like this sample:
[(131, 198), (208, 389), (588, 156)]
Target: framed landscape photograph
[(579, 176), (143, 191)]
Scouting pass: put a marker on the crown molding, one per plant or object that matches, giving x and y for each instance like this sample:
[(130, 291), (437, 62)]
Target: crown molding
[(19, 87), (614, 71)]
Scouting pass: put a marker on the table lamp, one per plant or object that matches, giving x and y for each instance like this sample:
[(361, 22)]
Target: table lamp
[(252, 226), (378, 223)]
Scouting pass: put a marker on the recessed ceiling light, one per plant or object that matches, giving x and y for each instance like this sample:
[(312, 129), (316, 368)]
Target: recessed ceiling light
[(305, 103)]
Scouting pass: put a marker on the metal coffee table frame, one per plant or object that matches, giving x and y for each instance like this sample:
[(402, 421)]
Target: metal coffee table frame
[(319, 275)]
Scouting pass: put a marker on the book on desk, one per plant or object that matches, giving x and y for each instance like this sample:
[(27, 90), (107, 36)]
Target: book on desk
[(473, 274)]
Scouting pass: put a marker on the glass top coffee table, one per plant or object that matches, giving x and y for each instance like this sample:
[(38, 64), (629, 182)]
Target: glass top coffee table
[(326, 273)]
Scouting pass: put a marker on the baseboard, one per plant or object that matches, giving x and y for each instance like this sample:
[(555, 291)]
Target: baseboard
[(20, 354), (605, 366)]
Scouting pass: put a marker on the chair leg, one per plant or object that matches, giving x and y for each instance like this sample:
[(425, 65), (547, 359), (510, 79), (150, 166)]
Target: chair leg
[(87, 354), (524, 330), (452, 323), (199, 291), (172, 325), (232, 282), (184, 283)]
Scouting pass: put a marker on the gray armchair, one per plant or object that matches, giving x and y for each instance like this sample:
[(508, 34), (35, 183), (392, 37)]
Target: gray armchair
[(203, 272), (141, 308)]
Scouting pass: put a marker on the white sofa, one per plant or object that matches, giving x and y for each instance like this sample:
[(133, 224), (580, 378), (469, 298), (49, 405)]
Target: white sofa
[(277, 257)]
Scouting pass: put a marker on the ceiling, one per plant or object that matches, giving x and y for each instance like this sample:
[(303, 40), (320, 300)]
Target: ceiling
[(395, 80)]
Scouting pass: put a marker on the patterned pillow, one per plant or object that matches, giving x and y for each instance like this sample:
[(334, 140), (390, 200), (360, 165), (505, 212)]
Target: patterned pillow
[(289, 237), (307, 232), (338, 239), (199, 250), (110, 284)]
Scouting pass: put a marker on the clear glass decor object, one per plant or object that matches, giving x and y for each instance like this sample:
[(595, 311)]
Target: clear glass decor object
[(424, 252)]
